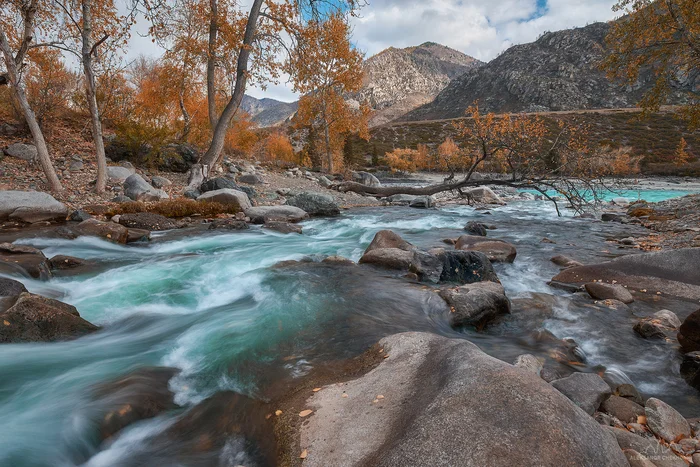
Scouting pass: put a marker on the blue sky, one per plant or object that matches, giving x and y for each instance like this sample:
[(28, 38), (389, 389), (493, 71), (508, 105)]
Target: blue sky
[(480, 28)]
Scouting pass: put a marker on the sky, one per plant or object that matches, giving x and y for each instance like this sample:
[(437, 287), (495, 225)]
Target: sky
[(480, 28)]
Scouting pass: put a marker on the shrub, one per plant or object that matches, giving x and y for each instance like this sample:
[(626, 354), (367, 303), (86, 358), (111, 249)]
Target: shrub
[(175, 208)]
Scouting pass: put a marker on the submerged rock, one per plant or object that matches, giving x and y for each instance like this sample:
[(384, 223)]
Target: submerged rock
[(108, 230), (689, 333), (228, 224), (475, 228), (601, 291), (24, 259), (565, 261), (445, 402), (586, 390), (62, 262), (466, 267), (282, 227), (38, 319), (316, 204), (31, 207), (671, 272), (495, 250), (422, 202), (690, 369), (476, 304), (141, 394), (388, 239)]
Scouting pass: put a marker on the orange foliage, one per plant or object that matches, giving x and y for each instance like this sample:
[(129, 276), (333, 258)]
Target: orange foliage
[(681, 156), (49, 84), (278, 148), (403, 160)]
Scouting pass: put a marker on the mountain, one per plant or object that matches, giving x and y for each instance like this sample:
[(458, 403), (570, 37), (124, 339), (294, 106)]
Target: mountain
[(399, 80), (559, 71), (268, 112)]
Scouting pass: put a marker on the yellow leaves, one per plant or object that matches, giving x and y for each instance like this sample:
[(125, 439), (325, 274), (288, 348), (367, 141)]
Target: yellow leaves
[(303, 454), (305, 413), (278, 413), (316, 389), (6, 322)]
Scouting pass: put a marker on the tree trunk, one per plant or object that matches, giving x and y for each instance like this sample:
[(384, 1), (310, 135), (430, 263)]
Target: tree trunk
[(198, 173), (34, 128), (327, 136), (186, 118), (91, 93), (211, 62), (385, 191), (217, 143)]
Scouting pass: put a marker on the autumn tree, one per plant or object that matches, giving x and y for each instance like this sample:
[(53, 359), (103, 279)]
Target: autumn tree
[(49, 85), (662, 36), (403, 160), (326, 68), (450, 158), (531, 154), (681, 156), (22, 22)]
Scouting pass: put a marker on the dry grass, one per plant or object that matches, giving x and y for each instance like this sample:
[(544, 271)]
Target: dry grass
[(175, 208)]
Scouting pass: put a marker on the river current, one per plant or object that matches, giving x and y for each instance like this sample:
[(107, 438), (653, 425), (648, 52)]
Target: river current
[(212, 305)]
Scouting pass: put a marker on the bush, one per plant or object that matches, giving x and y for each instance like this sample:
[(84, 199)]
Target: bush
[(175, 208)]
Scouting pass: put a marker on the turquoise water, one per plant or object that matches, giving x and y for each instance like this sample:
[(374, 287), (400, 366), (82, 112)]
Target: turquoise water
[(651, 196), (213, 306)]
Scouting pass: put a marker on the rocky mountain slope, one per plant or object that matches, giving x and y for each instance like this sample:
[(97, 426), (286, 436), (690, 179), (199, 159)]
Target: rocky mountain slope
[(399, 80), (268, 112), (559, 71)]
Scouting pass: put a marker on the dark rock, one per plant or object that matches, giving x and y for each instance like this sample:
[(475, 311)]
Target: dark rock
[(602, 291), (422, 202), (192, 194), (250, 179), (689, 333), (565, 261), (665, 421), (38, 319), (24, 259), (147, 221), (587, 390), (476, 304), (79, 216), (228, 224), (263, 214), (466, 267), (650, 328), (690, 368), (219, 183), (11, 287), (316, 204), (611, 217), (623, 409), (475, 228), (61, 262), (628, 391), (139, 395), (338, 260), (31, 207), (282, 227), (466, 409), (388, 239), (137, 235), (108, 230), (495, 250), (169, 158), (672, 272)]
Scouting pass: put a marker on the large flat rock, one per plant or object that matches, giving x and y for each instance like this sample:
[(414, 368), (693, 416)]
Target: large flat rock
[(31, 206), (443, 402), (673, 272)]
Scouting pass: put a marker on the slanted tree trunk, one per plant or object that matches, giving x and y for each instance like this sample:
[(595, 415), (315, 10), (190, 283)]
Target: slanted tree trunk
[(385, 191), (327, 137), (34, 128), (211, 62), (91, 94), (213, 154)]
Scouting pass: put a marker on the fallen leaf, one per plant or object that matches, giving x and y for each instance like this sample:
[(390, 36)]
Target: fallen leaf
[(386, 356), (303, 454), (375, 401), (380, 396), (345, 395), (305, 413), (316, 389), (278, 413), (641, 419), (267, 417)]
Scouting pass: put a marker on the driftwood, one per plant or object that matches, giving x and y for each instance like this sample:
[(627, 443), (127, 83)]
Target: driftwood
[(385, 191)]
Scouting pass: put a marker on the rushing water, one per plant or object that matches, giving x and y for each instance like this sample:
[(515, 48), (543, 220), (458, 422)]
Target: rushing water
[(212, 305)]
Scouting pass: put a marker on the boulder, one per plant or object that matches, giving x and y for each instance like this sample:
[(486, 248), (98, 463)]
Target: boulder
[(160, 182), (665, 422), (26, 152), (586, 390), (422, 202), (79, 215), (38, 319), (495, 250), (10, 287), (424, 265), (228, 224), (139, 395), (220, 183), (31, 206), (250, 179), (24, 259), (324, 182), (484, 195), (137, 235), (401, 200), (282, 227), (63, 262), (147, 221), (475, 228), (138, 189), (689, 333), (660, 455), (564, 261), (366, 178), (466, 267), (611, 217), (108, 230), (263, 214), (671, 272), (234, 198), (636, 459), (602, 291), (623, 409), (529, 363), (476, 304), (650, 328), (388, 239), (690, 368), (668, 319), (316, 204), (119, 174), (445, 402)]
